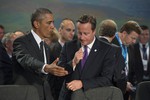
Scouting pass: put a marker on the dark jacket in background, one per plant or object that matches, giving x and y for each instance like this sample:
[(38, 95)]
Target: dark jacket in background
[(5, 67)]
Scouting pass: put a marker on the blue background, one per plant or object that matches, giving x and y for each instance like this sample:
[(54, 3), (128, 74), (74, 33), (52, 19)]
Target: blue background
[(15, 14)]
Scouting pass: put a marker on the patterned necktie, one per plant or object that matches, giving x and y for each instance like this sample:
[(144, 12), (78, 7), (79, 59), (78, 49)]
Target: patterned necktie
[(84, 56), (144, 52), (42, 50), (124, 51)]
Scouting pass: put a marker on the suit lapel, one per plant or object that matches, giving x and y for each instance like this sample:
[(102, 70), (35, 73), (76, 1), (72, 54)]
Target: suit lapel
[(92, 55), (34, 45), (138, 55), (149, 59)]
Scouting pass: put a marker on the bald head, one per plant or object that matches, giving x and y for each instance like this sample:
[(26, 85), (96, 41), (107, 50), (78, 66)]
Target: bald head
[(66, 30)]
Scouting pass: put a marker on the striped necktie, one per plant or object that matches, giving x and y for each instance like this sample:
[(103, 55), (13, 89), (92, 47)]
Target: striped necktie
[(84, 56), (144, 52)]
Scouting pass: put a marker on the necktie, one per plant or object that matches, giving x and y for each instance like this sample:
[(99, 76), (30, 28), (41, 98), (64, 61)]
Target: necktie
[(144, 52), (124, 51), (41, 49), (84, 57)]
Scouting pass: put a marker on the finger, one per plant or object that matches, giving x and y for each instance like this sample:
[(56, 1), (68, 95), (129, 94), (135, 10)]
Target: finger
[(56, 60), (80, 50), (60, 73)]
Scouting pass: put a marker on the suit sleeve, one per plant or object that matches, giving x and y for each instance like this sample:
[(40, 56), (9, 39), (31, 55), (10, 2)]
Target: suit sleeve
[(23, 56)]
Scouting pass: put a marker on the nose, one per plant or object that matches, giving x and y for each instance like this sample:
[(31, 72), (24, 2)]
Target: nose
[(72, 33), (52, 25), (134, 41)]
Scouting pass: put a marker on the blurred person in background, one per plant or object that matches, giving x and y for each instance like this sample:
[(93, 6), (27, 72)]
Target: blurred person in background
[(107, 30), (128, 35), (66, 33), (140, 69), (2, 32), (6, 73)]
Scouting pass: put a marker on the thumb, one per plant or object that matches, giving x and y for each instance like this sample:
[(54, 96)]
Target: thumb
[(56, 60)]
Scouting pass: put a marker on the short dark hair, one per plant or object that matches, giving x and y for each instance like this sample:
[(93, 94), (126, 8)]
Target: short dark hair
[(2, 27), (144, 27), (131, 26), (38, 14), (88, 19), (107, 28)]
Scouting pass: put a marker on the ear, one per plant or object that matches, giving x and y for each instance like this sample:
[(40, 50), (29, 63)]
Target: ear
[(36, 24), (94, 32), (124, 32), (59, 30)]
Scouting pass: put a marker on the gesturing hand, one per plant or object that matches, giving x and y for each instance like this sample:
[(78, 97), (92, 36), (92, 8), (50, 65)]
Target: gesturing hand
[(78, 56), (55, 70)]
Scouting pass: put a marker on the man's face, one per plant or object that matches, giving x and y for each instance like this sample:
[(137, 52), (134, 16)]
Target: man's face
[(130, 38), (68, 30), (144, 36), (85, 33), (45, 27), (1, 33)]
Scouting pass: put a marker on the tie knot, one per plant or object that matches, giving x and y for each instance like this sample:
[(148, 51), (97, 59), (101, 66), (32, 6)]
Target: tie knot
[(143, 45), (85, 46), (41, 44)]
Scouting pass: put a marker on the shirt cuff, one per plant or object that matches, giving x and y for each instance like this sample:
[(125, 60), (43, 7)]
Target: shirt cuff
[(74, 68), (43, 69)]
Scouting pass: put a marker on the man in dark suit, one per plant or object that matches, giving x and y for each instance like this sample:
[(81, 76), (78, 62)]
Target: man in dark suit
[(5, 67), (89, 61), (66, 32), (33, 62), (140, 69), (127, 35), (107, 30)]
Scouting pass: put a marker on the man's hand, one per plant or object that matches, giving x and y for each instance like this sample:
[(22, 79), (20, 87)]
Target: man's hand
[(74, 85), (55, 70), (129, 86), (78, 56)]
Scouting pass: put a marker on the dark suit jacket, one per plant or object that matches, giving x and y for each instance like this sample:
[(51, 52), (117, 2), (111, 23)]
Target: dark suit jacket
[(56, 49), (28, 65), (130, 63), (5, 67), (98, 69), (119, 78), (57, 82), (136, 69)]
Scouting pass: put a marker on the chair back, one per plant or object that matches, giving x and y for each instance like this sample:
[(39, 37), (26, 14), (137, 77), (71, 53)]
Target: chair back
[(101, 93), (18, 92), (143, 91)]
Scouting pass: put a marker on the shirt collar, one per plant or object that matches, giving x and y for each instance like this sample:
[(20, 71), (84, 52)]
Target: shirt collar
[(146, 45), (36, 37), (89, 46), (118, 38), (61, 43), (105, 38)]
